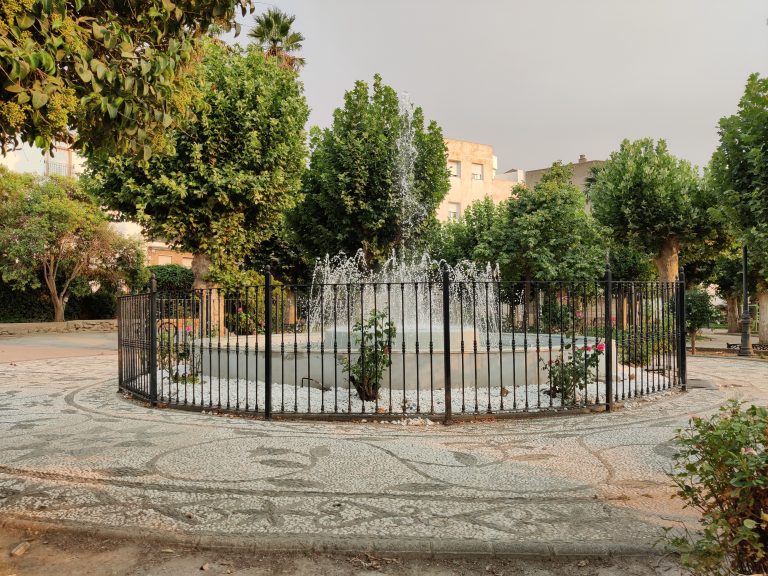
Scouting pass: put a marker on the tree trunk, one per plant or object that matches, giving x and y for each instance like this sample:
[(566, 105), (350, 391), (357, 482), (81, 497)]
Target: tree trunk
[(666, 259), (733, 315), (58, 308), (762, 328), (201, 267)]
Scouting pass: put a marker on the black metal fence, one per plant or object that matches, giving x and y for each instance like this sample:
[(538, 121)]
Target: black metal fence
[(431, 347)]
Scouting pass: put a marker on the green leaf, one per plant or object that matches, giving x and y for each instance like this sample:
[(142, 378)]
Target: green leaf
[(25, 20), (147, 152), (39, 99)]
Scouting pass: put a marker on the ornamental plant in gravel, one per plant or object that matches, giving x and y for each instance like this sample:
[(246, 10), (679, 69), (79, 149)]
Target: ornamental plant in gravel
[(374, 337), (721, 470), (567, 374)]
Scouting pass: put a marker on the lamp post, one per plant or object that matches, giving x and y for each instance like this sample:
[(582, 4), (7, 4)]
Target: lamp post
[(746, 321)]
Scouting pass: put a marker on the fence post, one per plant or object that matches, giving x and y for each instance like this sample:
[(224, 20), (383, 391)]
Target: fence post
[(267, 343), (153, 340), (681, 320), (119, 343), (608, 339), (447, 345)]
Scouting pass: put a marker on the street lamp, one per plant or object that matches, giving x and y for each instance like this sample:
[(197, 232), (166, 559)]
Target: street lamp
[(746, 321)]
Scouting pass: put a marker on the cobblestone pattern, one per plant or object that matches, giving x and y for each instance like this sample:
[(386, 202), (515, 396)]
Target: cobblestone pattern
[(74, 452)]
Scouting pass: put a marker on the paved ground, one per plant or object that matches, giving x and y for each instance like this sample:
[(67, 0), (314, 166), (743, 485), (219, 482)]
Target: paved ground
[(21, 348), (75, 453)]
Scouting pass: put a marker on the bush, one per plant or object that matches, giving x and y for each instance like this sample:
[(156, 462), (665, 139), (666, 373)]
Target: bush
[(367, 371), (699, 312), (172, 277), (24, 305), (721, 470), (567, 374), (99, 305)]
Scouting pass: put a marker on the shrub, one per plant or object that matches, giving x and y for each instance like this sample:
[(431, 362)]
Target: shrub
[(172, 277), (699, 312), (373, 337), (721, 470), (567, 374)]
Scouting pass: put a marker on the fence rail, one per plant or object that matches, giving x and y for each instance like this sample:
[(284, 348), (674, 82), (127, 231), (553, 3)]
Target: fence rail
[(431, 347)]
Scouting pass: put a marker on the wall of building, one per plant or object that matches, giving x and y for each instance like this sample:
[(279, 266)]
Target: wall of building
[(28, 159), (466, 186), (581, 171)]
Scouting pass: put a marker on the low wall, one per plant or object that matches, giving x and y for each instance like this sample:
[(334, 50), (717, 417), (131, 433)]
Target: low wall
[(26, 328)]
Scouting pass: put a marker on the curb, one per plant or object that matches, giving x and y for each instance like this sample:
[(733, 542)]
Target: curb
[(403, 547)]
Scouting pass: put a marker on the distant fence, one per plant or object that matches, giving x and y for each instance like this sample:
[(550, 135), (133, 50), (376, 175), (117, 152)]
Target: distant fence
[(434, 347)]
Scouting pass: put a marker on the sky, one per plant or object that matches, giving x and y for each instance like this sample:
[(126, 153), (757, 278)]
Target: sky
[(541, 80)]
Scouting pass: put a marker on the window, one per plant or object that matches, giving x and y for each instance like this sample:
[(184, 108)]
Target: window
[(57, 168), (163, 259), (186, 262), (454, 167), (454, 210), (477, 171)]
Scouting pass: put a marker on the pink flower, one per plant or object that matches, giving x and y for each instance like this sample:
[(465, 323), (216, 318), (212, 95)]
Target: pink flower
[(613, 318), (600, 347), (588, 348), (240, 310), (188, 329), (579, 314), (749, 451)]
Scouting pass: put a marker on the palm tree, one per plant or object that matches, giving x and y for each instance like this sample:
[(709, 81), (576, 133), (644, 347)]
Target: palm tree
[(274, 36)]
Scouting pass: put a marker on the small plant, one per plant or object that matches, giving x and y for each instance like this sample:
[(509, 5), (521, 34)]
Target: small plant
[(373, 337), (721, 470), (699, 312), (241, 322), (567, 374), (175, 355)]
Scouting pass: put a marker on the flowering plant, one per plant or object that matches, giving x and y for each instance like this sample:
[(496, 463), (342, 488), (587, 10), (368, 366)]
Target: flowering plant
[(567, 374)]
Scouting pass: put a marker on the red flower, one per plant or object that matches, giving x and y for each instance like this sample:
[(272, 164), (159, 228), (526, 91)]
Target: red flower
[(600, 347)]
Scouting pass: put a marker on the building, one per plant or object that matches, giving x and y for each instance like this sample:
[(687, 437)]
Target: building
[(581, 171), (473, 177), (62, 161)]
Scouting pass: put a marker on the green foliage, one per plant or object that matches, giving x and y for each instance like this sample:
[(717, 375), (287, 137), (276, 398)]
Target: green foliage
[(739, 169), (114, 72), (352, 190), (470, 237), (721, 470), (50, 229), (373, 337), (630, 264), (643, 194), (545, 234), (699, 312), (234, 171), (24, 305), (572, 371), (274, 36), (172, 277)]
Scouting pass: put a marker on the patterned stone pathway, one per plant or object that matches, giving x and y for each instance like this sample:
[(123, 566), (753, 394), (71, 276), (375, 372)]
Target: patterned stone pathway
[(74, 452)]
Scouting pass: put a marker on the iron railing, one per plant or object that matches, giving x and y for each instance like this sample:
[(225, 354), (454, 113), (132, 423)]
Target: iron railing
[(432, 347)]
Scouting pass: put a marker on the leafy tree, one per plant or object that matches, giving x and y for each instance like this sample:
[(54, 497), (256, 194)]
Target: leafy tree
[(49, 227), (698, 313), (544, 233), (172, 277), (740, 170), (470, 237), (234, 171), (275, 37), (376, 177), (114, 72), (643, 194)]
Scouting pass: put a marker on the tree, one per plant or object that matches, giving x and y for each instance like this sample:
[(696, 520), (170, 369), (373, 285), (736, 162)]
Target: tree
[(50, 228), (698, 313), (470, 237), (275, 37), (234, 171), (643, 194), (375, 179), (740, 170), (114, 72), (544, 233)]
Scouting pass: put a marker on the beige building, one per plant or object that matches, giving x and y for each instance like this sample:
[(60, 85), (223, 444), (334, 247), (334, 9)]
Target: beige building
[(581, 171), (473, 177)]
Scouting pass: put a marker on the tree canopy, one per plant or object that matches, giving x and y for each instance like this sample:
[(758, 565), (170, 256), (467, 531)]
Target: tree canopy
[(375, 178), (643, 194), (49, 228), (544, 233), (234, 171), (275, 37), (113, 71)]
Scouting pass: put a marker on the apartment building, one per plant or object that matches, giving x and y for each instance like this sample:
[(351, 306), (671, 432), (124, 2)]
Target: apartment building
[(473, 177)]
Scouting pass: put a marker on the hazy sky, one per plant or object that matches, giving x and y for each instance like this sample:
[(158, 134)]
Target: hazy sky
[(542, 80)]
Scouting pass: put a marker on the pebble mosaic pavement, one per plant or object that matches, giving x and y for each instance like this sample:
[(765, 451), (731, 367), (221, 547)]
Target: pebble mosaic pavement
[(74, 452)]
